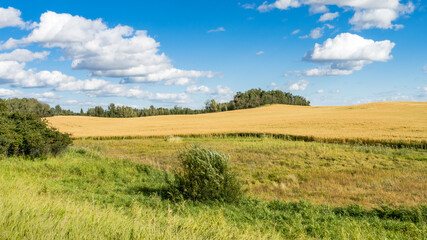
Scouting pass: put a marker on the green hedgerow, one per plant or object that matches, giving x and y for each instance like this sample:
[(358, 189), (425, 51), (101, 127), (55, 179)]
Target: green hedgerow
[(204, 175)]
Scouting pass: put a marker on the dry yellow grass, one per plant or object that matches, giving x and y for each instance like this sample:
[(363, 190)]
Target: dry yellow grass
[(395, 121)]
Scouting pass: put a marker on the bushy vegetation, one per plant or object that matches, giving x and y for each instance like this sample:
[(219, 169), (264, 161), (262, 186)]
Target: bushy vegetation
[(25, 134), (204, 175)]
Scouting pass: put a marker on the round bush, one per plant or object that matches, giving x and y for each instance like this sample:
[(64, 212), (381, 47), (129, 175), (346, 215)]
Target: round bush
[(23, 134), (204, 175)]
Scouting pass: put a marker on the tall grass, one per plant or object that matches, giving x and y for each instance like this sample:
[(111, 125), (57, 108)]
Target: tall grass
[(322, 173)]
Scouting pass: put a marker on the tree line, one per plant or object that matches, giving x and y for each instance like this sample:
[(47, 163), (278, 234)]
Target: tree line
[(241, 100)]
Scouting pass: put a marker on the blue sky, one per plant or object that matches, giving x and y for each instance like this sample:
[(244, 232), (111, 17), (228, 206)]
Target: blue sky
[(84, 53)]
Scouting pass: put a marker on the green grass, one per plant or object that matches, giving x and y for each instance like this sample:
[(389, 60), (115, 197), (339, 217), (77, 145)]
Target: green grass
[(321, 173), (82, 194)]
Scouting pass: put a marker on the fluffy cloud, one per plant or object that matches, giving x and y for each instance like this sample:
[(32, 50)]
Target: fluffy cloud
[(328, 17), (347, 53), (103, 88), (119, 52), (11, 17), (374, 18), (23, 55), (368, 13), (279, 4), (259, 53), (14, 73), (299, 86)]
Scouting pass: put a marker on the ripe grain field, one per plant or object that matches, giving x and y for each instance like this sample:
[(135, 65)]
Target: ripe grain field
[(385, 121)]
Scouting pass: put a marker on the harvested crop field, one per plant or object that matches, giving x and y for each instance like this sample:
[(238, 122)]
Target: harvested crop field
[(386, 121)]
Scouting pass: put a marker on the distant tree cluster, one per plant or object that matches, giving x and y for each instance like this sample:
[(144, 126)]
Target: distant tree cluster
[(249, 99), (255, 98), (127, 112)]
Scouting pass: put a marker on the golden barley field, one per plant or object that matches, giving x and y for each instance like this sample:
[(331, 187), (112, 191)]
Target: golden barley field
[(394, 121)]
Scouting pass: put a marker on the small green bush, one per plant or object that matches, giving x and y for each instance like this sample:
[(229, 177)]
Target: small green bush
[(204, 176), (24, 134)]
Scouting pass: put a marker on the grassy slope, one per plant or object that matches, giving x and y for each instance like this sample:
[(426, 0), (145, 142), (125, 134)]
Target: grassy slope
[(388, 121), (321, 173), (81, 195)]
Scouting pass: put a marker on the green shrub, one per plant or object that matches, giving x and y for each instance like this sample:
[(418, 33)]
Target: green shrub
[(204, 175), (23, 134)]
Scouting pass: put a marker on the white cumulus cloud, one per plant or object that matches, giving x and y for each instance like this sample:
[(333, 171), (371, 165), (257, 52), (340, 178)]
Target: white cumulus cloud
[(368, 13), (11, 17), (119, 52), (347, 53)]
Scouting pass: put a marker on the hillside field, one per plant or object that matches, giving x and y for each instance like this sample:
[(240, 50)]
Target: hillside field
[(387, 121)]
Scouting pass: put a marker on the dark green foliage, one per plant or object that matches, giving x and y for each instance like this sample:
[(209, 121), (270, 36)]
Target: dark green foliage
[(258, 97), (3, 106), (205, 176), (25, 134)]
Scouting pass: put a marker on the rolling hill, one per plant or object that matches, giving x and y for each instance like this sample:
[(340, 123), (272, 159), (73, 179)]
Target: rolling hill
[(384, 121)]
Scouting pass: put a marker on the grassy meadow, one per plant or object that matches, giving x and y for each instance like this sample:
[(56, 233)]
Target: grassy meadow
[(82, 194), (322, 173), (346, 182), (376, 122)]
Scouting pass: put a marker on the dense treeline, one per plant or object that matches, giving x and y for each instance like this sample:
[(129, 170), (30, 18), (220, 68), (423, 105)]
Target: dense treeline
[(249, 99), (26, 134)]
